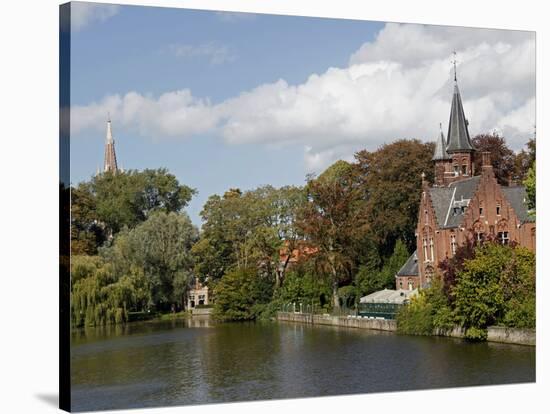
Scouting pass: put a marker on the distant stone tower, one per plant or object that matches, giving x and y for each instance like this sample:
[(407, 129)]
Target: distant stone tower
[(110, 163)]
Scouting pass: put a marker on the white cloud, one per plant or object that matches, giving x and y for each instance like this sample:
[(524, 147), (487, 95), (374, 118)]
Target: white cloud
[(84, 14), (398, 86), (216, 54)]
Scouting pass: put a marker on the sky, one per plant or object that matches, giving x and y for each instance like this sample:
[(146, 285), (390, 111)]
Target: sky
[(226, 100)]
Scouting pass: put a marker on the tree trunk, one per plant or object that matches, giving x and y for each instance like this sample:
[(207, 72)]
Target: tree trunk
[(280, 274), (335, 298)]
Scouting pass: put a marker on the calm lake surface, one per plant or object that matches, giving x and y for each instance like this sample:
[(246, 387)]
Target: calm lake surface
[(195, 361)]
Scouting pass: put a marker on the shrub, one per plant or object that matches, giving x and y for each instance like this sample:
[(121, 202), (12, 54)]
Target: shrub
[(476, 334), (303, 285), (497, 286), (241, 295), (416, 318), (425, 312)]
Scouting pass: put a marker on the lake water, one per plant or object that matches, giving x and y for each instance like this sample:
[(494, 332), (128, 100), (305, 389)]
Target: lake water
[(195, 361)]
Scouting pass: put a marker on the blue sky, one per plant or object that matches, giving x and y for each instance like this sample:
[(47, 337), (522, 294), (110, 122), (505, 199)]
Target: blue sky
[(230, 100), (132, 51)]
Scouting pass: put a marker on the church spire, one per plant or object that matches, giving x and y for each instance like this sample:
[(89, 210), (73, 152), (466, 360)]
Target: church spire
[(458, 137), (440, 152), (110, 163)]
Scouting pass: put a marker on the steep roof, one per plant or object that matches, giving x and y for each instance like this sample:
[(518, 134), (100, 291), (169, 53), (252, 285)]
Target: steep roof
[(410, 268), (440, 152), (458, 137), (448, 202), (517, 198)]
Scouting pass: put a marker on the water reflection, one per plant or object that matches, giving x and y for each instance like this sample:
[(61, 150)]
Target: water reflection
[(196, 361)]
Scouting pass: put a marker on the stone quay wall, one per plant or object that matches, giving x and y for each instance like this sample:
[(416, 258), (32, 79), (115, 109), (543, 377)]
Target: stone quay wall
[(343, 321), (494, 333), (512, 335)]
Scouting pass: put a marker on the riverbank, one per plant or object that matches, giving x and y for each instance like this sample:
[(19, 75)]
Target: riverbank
[(494, 333)]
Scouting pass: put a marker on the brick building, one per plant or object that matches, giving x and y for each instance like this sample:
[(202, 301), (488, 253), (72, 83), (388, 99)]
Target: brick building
[(462, 205)]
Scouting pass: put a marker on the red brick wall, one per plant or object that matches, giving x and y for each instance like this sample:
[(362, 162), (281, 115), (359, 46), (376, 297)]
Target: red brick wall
[(402, 282), (488, 196)]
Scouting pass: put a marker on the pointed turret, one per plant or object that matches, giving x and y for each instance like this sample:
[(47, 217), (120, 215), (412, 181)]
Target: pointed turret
[(110, 163), (440, 152), (458, 137), (458, 163)]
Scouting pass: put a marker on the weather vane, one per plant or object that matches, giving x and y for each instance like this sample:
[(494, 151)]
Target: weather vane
[(454, 62)]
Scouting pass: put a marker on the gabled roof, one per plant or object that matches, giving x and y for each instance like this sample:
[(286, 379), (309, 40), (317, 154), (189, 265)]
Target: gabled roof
[(440, 153), (458, 195), (389, 296), (517, 197), (445, 199), (410, 268), (458, 137)]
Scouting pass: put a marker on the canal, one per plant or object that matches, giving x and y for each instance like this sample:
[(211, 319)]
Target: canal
[(196, 361)]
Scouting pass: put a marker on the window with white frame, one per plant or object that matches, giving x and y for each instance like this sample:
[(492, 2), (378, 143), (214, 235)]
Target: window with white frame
[(453, 244), (425, 247), (503, 237)]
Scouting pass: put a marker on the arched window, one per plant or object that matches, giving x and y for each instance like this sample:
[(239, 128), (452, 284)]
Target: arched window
[(425, 247), (453, 244), (479, 232)]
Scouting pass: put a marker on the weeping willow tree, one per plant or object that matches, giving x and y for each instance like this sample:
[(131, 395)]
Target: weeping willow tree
[(99, 296)]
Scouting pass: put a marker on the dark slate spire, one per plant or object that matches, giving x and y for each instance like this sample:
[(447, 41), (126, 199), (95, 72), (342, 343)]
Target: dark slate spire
[(458, 138), (440, 153)]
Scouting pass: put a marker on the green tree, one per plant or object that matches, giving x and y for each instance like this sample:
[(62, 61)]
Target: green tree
[(161, 247), (303, 285), (333, 221), (524, 160), (426, 312), (241, 295), (496, 286), (503, 158), (372, 277), (241, 230), (391, 184), (127, 199), (531, 187), (86, 232), (99, 296)]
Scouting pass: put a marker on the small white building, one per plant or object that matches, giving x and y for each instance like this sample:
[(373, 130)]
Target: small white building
[(197, 296), (384, 304)]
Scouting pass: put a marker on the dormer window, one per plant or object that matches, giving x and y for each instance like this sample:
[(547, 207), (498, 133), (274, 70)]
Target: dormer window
[(464, 170), (498, 210), (481, 211)]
